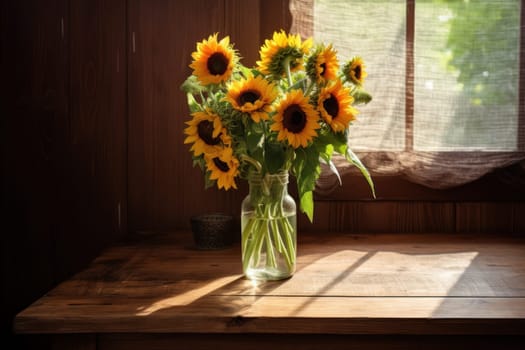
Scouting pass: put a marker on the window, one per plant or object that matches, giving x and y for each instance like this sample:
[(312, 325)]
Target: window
[(466, 75), (445, 77)]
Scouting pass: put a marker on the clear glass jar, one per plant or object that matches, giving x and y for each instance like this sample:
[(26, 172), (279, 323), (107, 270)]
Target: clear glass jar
[(269, 228)]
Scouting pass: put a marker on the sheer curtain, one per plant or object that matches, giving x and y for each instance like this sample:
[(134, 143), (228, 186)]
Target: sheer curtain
[(445, 80)]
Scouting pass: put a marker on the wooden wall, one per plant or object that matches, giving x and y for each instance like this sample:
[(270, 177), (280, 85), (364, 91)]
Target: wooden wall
[(164, 189), (64, 160), (92, 138)]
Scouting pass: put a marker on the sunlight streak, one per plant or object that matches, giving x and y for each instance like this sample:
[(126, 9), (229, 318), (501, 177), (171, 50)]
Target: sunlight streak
[(187, 297)]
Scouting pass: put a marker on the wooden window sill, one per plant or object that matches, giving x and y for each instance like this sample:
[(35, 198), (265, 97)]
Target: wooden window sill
[(408, 285)]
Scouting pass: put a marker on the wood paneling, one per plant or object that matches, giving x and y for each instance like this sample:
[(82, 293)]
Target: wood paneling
[(96, 194), (242, 23), (382, 216), (34, 123), (63, 140), (163, 35), (491, 217), (275, 15), (379, 216), (164, 189)]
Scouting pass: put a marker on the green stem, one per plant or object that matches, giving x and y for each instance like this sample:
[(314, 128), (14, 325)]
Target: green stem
[(259, 240), (252, 161), (249, 243), (247, 232), (287, 256), (286, 64), (288, 238), (309, 89), (270, 254), (276, 236), (267, 236)]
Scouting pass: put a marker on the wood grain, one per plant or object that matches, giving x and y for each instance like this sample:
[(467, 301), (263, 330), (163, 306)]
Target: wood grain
[(417, 216), (96, 163), (63, 142), (344, 284), (164, 189), (275, 16), (491, 217)]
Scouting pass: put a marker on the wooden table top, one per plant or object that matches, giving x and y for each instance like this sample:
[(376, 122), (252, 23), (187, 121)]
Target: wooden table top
[(344, 284)]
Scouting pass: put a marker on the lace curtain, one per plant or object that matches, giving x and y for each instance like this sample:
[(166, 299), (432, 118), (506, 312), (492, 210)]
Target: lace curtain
[(444, 76)]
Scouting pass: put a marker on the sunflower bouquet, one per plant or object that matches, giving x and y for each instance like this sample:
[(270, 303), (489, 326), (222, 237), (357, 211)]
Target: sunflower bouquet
[(286, 115)]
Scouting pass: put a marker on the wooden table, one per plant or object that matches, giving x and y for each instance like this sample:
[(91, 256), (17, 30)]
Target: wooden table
[(350, 291)]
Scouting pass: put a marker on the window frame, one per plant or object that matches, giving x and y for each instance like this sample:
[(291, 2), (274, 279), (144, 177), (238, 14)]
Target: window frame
[(506, 184)]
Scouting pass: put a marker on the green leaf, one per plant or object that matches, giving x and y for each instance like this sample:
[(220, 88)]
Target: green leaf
[(324, 147), (340, 142), (298, 85), (307, 170), (207, 181), (307, 205), (191, 85), (200, 162), (352, 158), (245, 71), (361, 96), (274, 157), (192, 103), (254, 140), (334, 170), (332, 142)]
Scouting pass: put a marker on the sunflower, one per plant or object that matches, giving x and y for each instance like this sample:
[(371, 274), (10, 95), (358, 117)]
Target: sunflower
[(323, 64), (295, 120), (354, 71), (223, 167), (206, 132), (282, 48), (252, 95), (335, 106), (214, 60)]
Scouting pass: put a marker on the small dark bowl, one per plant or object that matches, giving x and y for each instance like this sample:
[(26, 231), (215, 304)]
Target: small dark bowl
[(212, 231)]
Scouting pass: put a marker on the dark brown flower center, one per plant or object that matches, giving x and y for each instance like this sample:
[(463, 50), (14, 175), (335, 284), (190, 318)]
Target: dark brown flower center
[(357, 72), (331, 106), (217, 64), (205, 131), (222, 166), (294, 119), (323, 69), (249, 96)]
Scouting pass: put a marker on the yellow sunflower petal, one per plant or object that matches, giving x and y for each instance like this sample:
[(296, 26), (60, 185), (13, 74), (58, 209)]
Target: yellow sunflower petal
[(335, 106), (206, 132), (252, 95), (296, 120), (323, 65), (280, 49), (223, 168), (213, 62), (354, 71)]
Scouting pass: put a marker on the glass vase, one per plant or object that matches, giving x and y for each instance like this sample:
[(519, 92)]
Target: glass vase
[(269, 228)]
